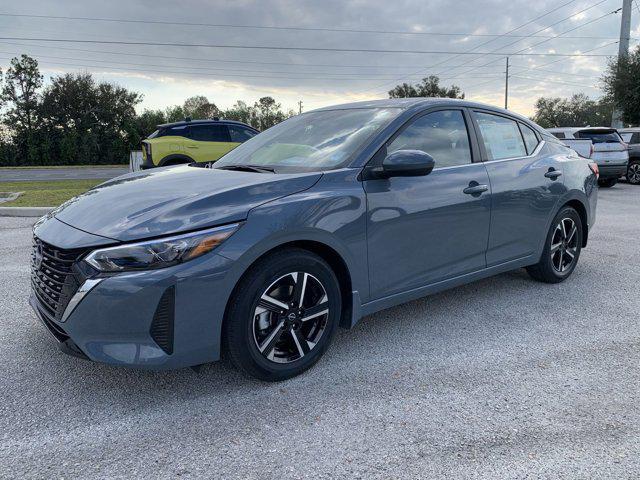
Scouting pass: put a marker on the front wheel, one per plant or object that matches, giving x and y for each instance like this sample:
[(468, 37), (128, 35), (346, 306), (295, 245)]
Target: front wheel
[(283, 315), (633, 173), (607, 182), (561, 250)]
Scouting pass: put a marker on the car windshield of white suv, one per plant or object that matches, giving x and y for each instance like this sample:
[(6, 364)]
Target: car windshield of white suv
[(321, 140)]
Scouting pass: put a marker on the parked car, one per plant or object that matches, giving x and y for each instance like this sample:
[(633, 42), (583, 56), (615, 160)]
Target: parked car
[(193, 141), (632, 137), (609, 150), (327, 217)]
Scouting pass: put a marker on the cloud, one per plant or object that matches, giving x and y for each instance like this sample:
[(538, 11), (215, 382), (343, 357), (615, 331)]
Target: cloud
[(167, 74)]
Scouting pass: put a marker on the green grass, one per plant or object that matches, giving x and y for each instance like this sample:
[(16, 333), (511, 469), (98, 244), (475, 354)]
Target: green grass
[(45, 194), (53, 167)]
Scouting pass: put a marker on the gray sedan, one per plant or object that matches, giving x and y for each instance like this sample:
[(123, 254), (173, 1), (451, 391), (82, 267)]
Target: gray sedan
[(309, 226)]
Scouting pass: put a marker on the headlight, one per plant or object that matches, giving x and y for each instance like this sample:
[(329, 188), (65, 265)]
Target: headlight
[(159, 253)]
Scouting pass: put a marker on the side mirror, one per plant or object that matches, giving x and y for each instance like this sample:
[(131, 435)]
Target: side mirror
[(407, 163)]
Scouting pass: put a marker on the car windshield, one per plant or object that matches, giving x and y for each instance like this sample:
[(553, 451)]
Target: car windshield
[(600, 137), (321, 140), (154, 134)]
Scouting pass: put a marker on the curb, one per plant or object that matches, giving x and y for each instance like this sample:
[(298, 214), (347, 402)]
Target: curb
[(24, 211)]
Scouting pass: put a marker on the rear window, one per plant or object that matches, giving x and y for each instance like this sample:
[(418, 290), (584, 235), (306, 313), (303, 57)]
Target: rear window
[(599, 136)]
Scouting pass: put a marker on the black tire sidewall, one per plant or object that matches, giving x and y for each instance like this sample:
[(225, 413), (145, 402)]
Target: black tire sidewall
[(632, 163), (239, 331), (546, 262)]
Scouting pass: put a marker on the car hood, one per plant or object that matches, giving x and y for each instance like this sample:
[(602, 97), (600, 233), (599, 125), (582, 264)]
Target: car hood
[(175, 199)]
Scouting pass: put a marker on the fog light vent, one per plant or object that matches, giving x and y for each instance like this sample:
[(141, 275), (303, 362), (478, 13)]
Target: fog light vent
[(162, 326)]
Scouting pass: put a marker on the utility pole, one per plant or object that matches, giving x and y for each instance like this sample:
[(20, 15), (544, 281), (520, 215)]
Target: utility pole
[(623, 51), (506, 86), (299, 107)]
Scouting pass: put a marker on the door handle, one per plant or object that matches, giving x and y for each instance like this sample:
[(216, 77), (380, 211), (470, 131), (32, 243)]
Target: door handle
[(192, 146), (553, 173), (475, 188)]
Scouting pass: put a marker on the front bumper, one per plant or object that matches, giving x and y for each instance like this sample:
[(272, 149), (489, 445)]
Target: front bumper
[(612, 171), (116, 321)]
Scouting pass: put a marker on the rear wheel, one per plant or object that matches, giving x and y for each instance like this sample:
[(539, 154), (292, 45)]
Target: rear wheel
[(607, 182), (283, 315), (633, 173), (562, 248)]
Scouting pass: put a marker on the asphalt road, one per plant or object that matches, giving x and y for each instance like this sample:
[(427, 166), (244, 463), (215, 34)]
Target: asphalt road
[(503, 378), (88, 173)]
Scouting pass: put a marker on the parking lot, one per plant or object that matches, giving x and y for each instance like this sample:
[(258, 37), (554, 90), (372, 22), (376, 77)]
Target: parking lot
[(503, 378)]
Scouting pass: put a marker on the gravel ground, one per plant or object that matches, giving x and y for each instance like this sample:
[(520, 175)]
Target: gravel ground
[(503, 378)]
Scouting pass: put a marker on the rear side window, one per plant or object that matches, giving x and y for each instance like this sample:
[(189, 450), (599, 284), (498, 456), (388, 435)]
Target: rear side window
[(240, 134), (209, 133), (530, 138), (636, 138), (442, 134), (560, 135), (501, 136)]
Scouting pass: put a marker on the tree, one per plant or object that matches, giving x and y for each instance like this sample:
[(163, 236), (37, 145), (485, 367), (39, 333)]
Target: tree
[(20, 92), (240, 112), (429, 87), (578, 110), (622, 82), (199, 107), (89, 122)]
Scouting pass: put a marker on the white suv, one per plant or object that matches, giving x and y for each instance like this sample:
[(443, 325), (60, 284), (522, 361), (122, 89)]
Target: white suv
[(609, 150)]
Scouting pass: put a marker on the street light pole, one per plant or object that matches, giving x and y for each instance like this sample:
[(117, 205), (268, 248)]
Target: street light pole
[(623, 51)]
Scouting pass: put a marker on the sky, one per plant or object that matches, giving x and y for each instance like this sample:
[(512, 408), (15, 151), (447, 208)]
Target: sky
[(464, 42)]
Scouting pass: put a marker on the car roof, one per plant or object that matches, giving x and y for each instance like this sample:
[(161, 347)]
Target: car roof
[(204, 122), (419, 103), (579, 129)]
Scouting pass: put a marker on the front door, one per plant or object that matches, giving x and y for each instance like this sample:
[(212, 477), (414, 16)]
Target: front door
[(421, 230)]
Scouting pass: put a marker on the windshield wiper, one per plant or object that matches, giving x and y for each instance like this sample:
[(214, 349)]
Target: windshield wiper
[(247, 168)]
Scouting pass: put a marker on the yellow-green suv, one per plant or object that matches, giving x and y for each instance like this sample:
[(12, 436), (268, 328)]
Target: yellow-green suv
[(193, 141)]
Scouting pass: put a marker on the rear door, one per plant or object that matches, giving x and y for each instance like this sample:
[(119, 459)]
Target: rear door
[(208, 142), (526, 185), (421, 230)]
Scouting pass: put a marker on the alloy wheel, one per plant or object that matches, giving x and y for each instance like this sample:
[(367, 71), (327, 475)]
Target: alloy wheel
[(291, 317), (564, 245), (633, 173)]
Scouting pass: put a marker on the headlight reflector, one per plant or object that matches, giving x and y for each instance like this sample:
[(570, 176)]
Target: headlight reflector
[(159, 253)]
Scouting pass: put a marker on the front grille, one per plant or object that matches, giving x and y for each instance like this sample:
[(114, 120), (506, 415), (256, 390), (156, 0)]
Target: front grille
[(52, 278)]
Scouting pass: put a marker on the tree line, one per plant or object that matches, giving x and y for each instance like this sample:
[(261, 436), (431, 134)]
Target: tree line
[(76, 120)]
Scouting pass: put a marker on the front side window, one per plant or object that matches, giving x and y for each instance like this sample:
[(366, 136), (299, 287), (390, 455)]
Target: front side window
[(314, 141), (240, 134), (442, 134), (501, 136), (530, 138), (209, 133)]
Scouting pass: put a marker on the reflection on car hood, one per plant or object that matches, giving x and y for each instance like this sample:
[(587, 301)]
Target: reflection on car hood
[(175, 199)]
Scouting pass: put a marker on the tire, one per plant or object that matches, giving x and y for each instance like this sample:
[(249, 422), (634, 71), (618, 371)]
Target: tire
[(607, 182), (265, 340), (633, 173), (557, 265)]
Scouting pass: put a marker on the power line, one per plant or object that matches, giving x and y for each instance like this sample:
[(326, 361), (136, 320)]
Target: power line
[(483, 43), (209, 60), (284, 48), (538, 31), (270, 27), (109, 63)]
